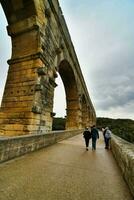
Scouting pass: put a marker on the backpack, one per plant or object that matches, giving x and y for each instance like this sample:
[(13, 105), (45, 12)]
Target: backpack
[(108, 134), (87, 134)]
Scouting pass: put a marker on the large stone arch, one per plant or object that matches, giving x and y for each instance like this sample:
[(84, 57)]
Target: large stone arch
[(40, 45), (67, 74)]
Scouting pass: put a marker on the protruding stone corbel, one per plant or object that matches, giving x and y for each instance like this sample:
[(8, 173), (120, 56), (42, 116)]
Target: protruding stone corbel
[(47, 12), (38, 87), (55, 72), (58, 50), (42, 70), (52, 82), (36, 109), (52, 114), (62, 46), (44, 102), (80, 98), (42, 122)]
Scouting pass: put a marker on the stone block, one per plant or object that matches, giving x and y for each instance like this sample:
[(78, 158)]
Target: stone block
[(42, 70), (38, 87), (36, 109)]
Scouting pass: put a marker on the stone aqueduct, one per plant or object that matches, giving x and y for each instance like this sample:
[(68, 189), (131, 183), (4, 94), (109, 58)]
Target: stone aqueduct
[(41, 49)]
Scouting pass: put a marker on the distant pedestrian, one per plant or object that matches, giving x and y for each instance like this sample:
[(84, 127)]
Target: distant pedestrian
[(95, 136), (104, 132), (107, 137), (87, 137)]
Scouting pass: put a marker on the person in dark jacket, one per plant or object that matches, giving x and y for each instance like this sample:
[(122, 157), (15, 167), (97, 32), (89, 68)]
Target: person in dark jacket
[(87, 136), (95, 136)]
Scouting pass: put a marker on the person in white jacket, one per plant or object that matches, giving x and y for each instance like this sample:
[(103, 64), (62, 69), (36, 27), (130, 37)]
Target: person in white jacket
[(107, 137)]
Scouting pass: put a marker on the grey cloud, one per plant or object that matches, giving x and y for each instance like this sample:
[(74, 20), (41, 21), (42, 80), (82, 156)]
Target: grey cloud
[(112, 94), (113, 80), (105, 47)]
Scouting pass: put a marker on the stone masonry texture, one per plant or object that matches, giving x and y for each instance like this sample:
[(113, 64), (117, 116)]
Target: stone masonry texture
[(123, 152), (11, 147), (41, 50)]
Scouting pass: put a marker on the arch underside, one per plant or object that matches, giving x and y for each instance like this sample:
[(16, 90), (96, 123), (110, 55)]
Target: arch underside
[(18, 10), (73, 119)]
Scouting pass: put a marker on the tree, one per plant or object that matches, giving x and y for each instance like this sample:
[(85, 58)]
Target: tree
[(58, 123)]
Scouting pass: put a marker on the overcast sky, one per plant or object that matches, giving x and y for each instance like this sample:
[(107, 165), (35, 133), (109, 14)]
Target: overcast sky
[(5, 51), (102, 32)]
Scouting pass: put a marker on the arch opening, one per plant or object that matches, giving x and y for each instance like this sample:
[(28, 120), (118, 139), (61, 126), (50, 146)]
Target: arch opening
[(59, 107), (67, 75), (5, 51)]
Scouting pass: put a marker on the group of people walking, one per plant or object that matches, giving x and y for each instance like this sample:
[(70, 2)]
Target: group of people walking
[(94, 135)]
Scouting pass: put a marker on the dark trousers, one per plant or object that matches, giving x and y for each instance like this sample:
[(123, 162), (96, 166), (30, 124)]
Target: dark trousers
[(107, 142), (94, 143), (87, 142)]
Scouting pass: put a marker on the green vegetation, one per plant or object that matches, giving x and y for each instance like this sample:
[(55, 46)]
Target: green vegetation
[(58, 123), (123, 128)]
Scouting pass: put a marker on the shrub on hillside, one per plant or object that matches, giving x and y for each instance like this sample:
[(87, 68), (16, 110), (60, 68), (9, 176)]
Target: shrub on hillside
[(59, 123)]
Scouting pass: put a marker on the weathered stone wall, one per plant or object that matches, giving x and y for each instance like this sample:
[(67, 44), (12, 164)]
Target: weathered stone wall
[(41, 50), (123, 152), (11, 147)]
